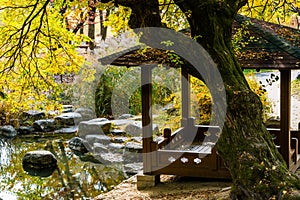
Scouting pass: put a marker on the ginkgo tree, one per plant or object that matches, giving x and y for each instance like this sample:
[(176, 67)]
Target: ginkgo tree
[(35, 45), (39, 41)]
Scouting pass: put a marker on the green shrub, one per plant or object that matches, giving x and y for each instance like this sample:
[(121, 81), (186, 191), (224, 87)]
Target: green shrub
[(105, 88), (122, 84)]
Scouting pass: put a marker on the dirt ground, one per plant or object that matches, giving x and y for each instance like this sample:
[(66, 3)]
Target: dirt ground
[(171, 187)]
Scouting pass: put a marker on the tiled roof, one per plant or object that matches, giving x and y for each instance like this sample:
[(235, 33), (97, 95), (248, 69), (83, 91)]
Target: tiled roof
[(271, 46)]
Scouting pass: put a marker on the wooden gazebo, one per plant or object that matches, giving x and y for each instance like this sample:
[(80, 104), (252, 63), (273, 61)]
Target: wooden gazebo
[(199, 159), (276, 47)]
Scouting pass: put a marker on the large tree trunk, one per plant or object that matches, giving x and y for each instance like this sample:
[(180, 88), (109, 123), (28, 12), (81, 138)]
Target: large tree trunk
[(257, 168)]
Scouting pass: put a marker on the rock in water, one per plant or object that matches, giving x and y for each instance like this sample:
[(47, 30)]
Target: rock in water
[(8, 131), (25, 130), (33, 115), (79, 146), (44, 125), (39, 163)]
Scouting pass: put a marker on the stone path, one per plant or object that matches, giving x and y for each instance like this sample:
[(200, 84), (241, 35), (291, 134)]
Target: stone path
[(171, 187)]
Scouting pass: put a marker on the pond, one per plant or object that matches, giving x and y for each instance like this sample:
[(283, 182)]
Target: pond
[(74, 179)]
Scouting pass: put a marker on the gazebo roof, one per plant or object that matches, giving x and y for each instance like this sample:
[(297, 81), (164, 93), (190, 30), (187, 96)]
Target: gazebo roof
[(132, 57), (271, 46)]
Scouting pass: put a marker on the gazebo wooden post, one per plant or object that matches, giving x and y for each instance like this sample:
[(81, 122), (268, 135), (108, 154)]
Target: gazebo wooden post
[(147, 179), (185, 97), (187, 121), (285, 107), (146, 81)]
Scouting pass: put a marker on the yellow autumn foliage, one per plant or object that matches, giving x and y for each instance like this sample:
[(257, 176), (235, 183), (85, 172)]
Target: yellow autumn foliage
[(273, 11), (34, 47)]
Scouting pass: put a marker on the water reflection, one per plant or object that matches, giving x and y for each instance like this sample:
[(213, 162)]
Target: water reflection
[(8, 195), (73, 179), (5, 152)]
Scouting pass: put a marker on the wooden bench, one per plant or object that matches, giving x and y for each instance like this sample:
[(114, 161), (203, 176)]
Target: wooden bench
[(194, 156), (294, 148)]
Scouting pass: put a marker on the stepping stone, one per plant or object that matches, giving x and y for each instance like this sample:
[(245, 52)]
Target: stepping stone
[(135, 128), (44, 125), (103, 139), (68, 119), (94, 128), (100, 148), (67, 130), (86, 113)]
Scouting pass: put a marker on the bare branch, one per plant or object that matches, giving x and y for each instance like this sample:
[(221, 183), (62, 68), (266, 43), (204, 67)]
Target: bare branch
[(16, 7), (295, 9)]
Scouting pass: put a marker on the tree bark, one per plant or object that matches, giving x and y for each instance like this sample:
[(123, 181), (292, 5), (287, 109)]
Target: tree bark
[(91, 23), (143, 13), (103, 18)]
